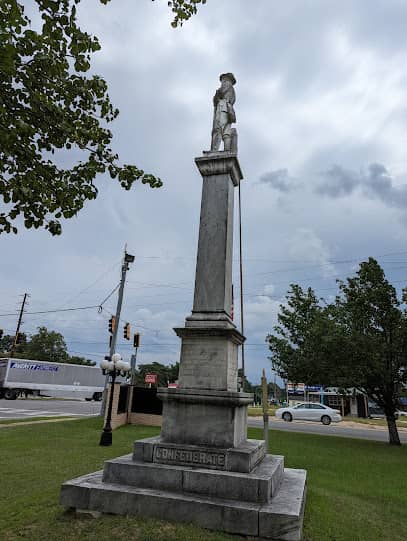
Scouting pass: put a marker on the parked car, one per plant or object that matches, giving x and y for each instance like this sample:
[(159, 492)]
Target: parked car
[(309, 411)]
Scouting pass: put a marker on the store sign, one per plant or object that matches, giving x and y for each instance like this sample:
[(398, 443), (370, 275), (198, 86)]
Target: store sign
[(150, 378), (295, 387)]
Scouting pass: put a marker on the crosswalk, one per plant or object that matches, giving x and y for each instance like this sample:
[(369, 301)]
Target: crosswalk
[(19, 413)]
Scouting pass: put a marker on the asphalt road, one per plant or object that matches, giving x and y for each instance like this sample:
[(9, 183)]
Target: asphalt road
[(335, 429), (25, 408)]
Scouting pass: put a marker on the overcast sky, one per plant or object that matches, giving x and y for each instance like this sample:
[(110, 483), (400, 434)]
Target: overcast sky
[(321, 115)]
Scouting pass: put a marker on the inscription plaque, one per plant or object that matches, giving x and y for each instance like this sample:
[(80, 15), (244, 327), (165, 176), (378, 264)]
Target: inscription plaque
[(187, 456)]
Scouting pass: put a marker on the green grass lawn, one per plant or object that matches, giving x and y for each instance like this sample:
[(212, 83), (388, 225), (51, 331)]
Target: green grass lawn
[(357, 490), (401, 422), (257, 411)]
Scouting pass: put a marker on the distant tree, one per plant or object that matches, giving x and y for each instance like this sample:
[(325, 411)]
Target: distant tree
[(256, 389), (7, 341), (74, 359), (46, 346), (358, 341), (300, 337), (165, 373)]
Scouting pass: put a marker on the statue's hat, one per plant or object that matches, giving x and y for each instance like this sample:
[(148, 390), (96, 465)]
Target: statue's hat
[(229, 76)]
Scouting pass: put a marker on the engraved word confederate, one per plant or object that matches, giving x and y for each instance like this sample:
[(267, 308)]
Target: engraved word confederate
[(187, 456)]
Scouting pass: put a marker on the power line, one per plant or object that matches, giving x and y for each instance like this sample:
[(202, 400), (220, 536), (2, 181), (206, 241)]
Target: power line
[(99, 306), (93, 283), (170, 258), (54, 311)]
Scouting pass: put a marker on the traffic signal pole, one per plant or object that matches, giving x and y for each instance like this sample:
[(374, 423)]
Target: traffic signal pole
[(125, 267)]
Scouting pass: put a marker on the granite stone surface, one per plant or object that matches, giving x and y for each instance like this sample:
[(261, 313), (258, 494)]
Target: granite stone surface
[(213, 278), (258, 486), (279, 520), (242, 458), (204, 417), (202, 469)]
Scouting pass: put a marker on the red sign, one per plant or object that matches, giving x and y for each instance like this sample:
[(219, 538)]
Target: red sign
[(150, 378)]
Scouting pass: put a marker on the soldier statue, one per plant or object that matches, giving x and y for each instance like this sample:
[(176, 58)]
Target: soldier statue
[(224, 115)]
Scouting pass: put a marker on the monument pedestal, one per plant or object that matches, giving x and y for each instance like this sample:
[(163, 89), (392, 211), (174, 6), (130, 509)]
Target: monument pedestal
[(202, 468), (267, 503)]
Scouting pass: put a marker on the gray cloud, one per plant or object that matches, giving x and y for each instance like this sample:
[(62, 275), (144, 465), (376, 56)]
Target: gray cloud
[(279, 180), (376, 182), (302, 97), (338, 182)]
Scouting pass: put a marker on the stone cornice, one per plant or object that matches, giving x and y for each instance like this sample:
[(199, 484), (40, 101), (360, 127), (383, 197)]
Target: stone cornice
[(220, 163), (205, 396), (230, 334)]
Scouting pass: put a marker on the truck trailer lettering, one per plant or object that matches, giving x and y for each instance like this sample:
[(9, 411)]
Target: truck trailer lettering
[(34, 366)]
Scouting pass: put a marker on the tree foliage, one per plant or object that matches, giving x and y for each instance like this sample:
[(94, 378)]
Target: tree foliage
[(45, 345), (359, 340), (51, 112), (183, 10), (166, 373), (273, 391), (7, 341)]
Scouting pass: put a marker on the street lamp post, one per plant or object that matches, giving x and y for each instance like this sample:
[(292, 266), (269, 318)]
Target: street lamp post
[(113, 367)]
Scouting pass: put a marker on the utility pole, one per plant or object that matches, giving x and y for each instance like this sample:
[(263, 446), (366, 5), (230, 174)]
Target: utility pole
[(125, 267), (20, 320)]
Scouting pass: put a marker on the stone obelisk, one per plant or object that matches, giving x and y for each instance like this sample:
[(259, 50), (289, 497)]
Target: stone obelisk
[(202, 468), (207, 410)]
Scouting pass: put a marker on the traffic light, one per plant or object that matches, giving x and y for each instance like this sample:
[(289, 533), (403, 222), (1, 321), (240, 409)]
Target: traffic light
[(126, 331), (136, 340), (1, 333), (112, 324)]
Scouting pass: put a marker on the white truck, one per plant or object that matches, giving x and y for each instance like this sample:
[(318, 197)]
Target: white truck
[(25, 376)]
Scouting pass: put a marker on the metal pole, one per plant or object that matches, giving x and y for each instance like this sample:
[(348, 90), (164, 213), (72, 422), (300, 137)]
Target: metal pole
[(18, 325), (241, 284), (265, 406), (106, 438), (133, 364), (116, 327)]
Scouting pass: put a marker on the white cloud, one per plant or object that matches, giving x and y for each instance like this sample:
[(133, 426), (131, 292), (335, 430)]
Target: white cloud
[(306, 245)]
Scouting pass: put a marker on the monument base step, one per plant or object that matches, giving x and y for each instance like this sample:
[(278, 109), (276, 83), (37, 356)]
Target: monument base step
[(279, 520), (242, 458), (258, 486)]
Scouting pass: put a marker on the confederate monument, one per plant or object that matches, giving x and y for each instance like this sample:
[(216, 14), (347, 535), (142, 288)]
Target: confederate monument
[(202, 468), (224, 114)]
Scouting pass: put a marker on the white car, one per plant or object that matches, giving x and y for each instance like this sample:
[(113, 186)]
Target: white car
[(309, 411)]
